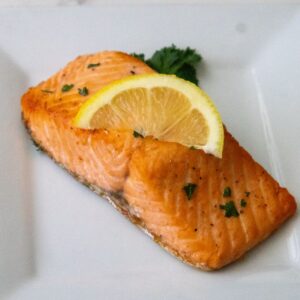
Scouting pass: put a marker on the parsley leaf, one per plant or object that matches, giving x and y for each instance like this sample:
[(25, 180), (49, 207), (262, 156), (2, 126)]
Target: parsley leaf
[(188, 72), (172, 60), (83, 92), (243, 203), (93, 65), (189, 189), (227, 192), (137, 135), (230, 209), (67, 87)]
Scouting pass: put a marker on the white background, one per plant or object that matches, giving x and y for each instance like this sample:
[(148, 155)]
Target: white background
[(97, 2)]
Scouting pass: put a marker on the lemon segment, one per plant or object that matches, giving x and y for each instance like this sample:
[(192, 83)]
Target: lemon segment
[(163, 106)]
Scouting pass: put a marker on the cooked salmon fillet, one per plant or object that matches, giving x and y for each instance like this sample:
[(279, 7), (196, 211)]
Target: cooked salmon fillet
[(145, 178)]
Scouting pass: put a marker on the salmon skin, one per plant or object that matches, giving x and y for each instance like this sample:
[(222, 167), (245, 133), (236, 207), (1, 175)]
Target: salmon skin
[(234, 204)]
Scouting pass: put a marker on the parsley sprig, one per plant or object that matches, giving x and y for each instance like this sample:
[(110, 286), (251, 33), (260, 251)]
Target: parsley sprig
[(172, 60)]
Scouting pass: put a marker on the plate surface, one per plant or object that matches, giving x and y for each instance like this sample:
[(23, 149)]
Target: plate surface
[(58, 240)]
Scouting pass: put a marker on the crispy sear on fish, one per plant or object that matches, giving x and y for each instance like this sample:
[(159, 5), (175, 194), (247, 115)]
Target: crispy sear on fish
[(206, 211)]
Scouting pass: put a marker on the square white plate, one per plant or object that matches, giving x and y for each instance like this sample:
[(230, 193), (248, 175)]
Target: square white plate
[(58, 240)]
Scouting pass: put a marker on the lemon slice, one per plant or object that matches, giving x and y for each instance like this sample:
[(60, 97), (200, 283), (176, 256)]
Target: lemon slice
[(163, 106)]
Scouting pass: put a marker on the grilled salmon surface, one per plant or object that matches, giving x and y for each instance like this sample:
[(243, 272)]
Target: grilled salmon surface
[(144, 178)]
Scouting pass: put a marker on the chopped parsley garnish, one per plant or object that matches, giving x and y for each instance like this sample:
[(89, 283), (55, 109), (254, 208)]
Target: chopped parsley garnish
[(83, 92), (190, 189), (47, 91), (172, 60), (247, 194), (243, 203), (227, 192), (137, 135), (67, 87), (230, 209), (93, 65), (193, 148)]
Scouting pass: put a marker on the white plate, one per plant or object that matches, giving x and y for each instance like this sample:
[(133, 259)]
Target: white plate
[(58, 240)]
